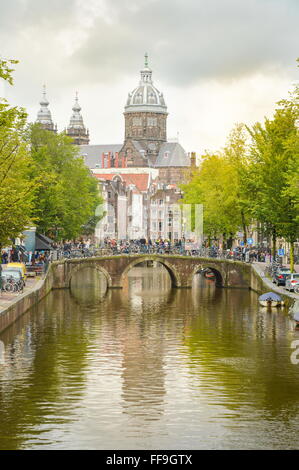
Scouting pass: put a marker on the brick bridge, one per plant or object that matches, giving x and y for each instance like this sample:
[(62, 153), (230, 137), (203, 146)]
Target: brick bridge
[(180, 268)]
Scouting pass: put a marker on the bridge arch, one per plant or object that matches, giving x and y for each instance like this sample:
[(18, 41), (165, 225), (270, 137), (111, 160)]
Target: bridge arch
[(75, 268), (219, 278), (172, 271)]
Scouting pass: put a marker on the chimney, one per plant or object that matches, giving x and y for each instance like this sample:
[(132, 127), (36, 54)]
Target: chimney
[(103, 160), (116, 160), (109, 160)]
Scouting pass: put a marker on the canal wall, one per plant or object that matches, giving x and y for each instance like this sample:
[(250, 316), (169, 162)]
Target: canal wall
[(27, 300), (261, 284), (56, 279)]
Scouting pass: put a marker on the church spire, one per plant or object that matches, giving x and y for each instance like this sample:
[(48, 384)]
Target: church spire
[(146, 72), (76, 128), (44, 117)]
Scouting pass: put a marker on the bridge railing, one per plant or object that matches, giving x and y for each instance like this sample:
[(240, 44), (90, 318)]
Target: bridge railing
[(146, 249)]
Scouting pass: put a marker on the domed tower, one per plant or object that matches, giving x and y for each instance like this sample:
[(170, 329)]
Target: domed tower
[(76, 128), (44, 117), (145, 122)]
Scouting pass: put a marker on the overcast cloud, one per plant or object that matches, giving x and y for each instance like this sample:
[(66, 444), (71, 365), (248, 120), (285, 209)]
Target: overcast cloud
[(217, 61)]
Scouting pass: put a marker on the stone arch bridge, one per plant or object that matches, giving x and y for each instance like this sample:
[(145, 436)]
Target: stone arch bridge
[(180, 268)]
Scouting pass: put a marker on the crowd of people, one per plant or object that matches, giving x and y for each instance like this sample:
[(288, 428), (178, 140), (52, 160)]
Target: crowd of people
[(187, 247), (19, 255), (86, 248)]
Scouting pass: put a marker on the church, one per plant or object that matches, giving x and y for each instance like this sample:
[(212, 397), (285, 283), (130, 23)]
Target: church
[(133, 174)]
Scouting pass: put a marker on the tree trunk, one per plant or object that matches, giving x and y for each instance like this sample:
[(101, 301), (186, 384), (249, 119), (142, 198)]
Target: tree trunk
[(274, 244), (224, 244), (292, 267), (244, 228)]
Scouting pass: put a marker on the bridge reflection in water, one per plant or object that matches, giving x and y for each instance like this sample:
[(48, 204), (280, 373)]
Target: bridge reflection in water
[(148, 367)]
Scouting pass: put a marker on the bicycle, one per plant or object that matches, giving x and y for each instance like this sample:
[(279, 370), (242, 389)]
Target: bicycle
[(11, 285)]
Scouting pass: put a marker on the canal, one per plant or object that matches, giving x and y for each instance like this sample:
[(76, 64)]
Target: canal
[(149, 367)]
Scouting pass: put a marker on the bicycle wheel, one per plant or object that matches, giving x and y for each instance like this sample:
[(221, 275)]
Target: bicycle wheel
[(296, 289), (8, 287)]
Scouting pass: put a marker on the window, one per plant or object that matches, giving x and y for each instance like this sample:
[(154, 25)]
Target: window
[(136, 121), (160, 226), (152, 121)]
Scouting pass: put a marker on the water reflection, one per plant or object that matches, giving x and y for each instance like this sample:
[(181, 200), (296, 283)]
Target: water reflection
[(94, 283), (149, 367)]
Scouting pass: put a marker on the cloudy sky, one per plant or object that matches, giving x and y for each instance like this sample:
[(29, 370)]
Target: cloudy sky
[(218, 62)]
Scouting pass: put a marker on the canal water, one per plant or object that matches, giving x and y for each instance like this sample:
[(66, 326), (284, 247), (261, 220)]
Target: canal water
[(149, 367)]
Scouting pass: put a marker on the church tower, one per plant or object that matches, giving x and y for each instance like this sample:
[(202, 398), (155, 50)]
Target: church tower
[(44, 117), (145, 122), (76, 128)]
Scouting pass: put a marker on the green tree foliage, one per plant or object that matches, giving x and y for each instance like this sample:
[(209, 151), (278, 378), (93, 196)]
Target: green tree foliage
[(274, 173), (220, 184), (16, 189), (67, 194), (254, 178)]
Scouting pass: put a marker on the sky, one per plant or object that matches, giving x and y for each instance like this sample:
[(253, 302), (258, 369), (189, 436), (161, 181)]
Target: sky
[(217, 62)]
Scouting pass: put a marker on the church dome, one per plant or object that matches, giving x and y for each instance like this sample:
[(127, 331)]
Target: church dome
[(146, 98), (76, 121)]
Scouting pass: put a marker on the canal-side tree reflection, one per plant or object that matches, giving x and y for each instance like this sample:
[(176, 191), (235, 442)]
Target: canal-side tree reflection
[(231, 348), (36, 359)]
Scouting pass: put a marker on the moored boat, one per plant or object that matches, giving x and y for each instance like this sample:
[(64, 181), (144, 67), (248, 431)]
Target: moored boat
[(270, 299), (294, 312), (209, 275)]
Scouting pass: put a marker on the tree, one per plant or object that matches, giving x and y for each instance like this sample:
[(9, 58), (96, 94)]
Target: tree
[(67, 194), (274, 169), (16, 193), (214, 184)]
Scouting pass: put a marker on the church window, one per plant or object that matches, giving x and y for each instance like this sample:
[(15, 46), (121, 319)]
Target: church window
[(136, 121), (151, 121)]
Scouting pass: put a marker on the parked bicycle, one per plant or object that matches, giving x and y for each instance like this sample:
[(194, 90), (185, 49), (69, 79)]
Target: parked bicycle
[(12, 283)]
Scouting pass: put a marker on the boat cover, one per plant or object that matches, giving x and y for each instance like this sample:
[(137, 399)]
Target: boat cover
[(270, 296)]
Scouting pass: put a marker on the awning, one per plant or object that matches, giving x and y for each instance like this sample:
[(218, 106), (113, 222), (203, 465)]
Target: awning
[(43, 243)]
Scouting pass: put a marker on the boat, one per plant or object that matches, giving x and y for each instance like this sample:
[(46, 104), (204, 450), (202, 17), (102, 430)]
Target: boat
[(209, 275), (294, 312), (296, 318), (270, 299)]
